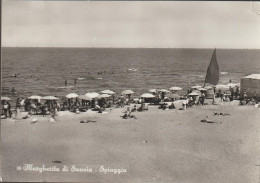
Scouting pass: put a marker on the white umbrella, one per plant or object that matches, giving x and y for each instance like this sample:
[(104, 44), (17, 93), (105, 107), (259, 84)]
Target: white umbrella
[(193, 94), (108, 92), (49, 98), (72, 95), (35, 97), (219, 86), (104, 95), (164, 90), (202, 89), (196, 86), (147, 95), (208, 87), (127, 92), (84, 97), (153, 90), (175, 88), (5, 98), (92, 95)]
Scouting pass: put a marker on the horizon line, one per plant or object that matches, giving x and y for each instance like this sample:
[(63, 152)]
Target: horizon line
[(128, 47)]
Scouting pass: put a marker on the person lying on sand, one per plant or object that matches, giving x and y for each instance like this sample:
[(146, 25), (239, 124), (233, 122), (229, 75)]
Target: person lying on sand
[(87, 121), (207, 120), (222, 114)]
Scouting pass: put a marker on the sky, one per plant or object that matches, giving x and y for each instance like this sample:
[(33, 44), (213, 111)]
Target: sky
[(156, 24)]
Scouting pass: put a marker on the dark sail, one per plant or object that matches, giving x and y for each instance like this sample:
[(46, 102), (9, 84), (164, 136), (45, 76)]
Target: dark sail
[(212, 76)]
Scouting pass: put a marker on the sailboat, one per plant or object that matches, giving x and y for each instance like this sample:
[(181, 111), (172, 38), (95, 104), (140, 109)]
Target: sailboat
[(212, 76)]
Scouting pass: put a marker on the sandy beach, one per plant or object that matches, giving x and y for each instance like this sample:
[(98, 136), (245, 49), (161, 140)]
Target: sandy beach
[(158, 146)]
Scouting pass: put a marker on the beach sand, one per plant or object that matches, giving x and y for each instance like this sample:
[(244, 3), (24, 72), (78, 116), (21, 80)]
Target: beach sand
[(158, 146)]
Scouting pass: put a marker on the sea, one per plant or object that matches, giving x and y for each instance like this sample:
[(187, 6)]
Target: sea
[(43, 71)]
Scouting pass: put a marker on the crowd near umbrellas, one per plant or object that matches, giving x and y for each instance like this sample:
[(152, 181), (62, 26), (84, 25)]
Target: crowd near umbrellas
[(147, 95), (127, 92), (153, 90), (104, 95), (35, 97), (49, 98), (5, 99), (72, 95), (108, 92), (196, 87), (175, 88)]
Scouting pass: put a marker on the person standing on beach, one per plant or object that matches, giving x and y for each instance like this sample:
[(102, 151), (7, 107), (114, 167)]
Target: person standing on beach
[(9, 110), (66, 82), (5, 105), (203, 98), (75, 82)]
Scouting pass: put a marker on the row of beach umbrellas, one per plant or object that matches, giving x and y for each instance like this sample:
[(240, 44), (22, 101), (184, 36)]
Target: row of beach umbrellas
[(109, 93)]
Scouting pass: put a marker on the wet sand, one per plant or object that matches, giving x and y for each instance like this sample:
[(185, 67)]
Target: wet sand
[(158, 146)]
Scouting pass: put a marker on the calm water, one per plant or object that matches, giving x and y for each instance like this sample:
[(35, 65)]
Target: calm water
[(44, 70)]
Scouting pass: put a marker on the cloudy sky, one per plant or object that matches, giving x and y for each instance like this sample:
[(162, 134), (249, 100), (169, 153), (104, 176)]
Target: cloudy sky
[(130, 24)]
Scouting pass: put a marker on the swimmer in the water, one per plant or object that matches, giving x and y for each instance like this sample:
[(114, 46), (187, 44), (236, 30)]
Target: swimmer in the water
[(13, 90)]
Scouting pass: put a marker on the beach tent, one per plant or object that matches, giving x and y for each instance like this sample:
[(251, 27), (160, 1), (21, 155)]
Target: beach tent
[(251, 85)]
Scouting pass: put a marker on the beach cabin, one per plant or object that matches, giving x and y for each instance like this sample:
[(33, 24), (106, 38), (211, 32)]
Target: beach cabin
[(251, 85)]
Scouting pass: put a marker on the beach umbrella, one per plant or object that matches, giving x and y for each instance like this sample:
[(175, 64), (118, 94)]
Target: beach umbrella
[(35, 97), (84, 97), (5, 98), (164, 90), (127, 92), (208, 87), (108, 92), (147, 95), (92, 95), (72, 95), (104, 95), (49, 98), (194, 94), (221, 86), (153, 90), (196, 86), (175, 88), (202, 89)]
